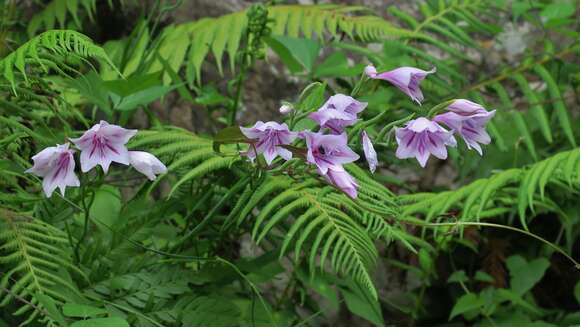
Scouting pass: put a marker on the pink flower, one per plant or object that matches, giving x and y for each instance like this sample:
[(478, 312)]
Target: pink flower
[(468, 119), (269, 136), (407, 79), (56, 165), (325, 151), (102, 144), (338, 112), (370, 153), (337, 176), (147, 164), (420, 138)]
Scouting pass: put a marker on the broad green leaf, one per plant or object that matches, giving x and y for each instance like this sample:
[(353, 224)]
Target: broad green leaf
[(102, 322), (106, 206), (558, 9), (466, 303), (144, 97), (50, 307), (229, 135), (524, 274), (362, 304), (81, 310), (312, 97), (336, 65), (483, 277), (458, 276), (92, 88), (133, 84), (298, 54)]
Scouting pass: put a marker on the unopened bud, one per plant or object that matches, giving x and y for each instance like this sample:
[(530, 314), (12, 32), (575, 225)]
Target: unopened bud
[(286, 109)]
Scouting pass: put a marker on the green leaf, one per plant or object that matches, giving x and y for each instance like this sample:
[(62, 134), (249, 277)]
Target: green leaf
[(458, 276), (296, 53), (558, 103), (466, 303), (524, 274), (483, 277), (362, 304), (229, 135), (102, 322), (50, 307), (558, 10), (81, 310), (336, 65), (577, 292), (312, 97), (133, 84), (92, 88), (144, 97), (106, 206)]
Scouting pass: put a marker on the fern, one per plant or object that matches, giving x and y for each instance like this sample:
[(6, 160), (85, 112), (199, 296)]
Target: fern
[(191, 43), (47, 50), (57, 11), (189, 156), (35, 252), (561, 170)]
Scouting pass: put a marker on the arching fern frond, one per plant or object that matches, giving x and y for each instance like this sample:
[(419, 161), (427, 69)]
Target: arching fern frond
[(519, 189), (314, 218), (38, 263), (189, 44), (48, 50)]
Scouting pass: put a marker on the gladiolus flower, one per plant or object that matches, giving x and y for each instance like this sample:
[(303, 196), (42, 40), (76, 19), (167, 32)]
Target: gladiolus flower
[(420, 138), (269, 136), (338, 112), (406, 79), (325, 151), (468, 119), (337, 176), (102, 144), (147, 164), (56, 165), (370, 153)]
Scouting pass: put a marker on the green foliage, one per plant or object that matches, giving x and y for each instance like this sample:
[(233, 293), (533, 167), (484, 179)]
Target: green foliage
[(49, 50), (39, 264), (57, 11), (484, 197), (220, 241)]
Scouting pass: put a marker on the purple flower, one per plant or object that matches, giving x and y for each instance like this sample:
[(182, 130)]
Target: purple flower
[(56, 165), (468, 119), (338, 112), (147, 164), (337, 176), (370, 153), (269, 136), (407, 79), (325, 151), (102, 144), (421, 138)]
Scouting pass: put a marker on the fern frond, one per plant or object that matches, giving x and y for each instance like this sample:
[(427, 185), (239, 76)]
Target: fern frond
[(331, 228), (34, 251), (188, 156), (189, 44), (40, 50), (57, 11), (522, 184)]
